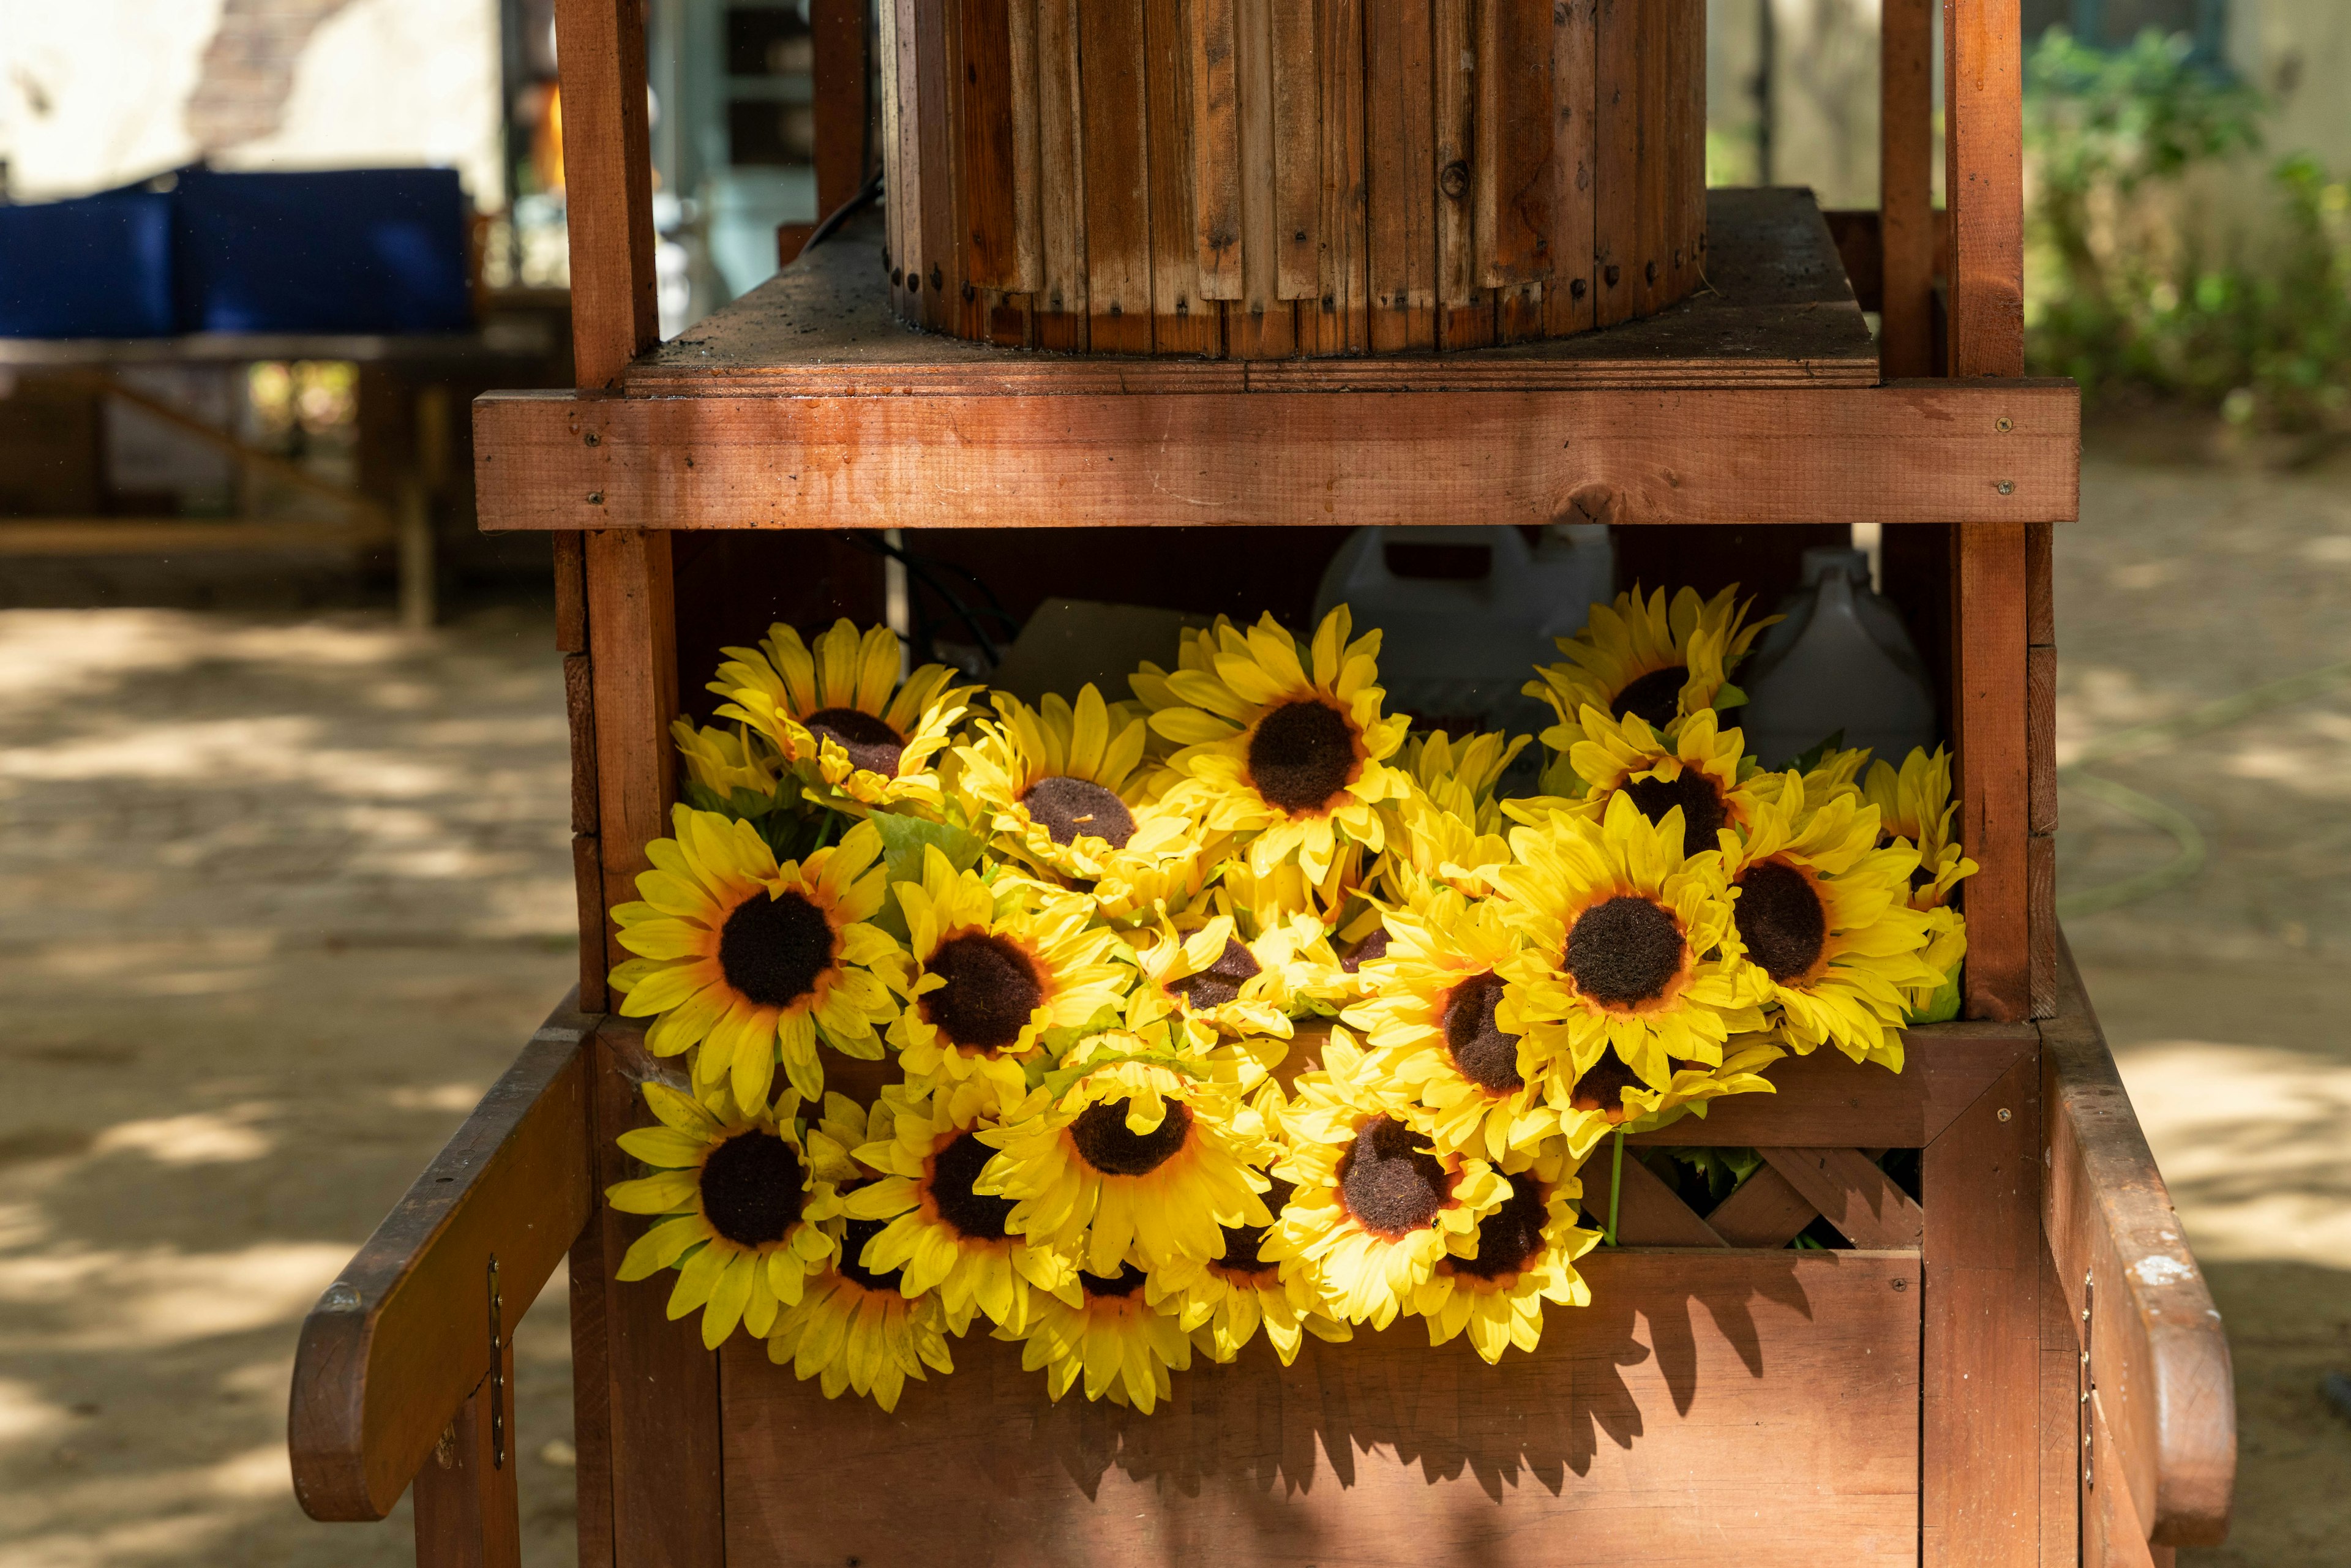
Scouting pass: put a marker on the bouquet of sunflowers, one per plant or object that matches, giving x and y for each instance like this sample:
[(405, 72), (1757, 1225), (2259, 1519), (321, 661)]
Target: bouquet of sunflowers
[(1238, 1009)]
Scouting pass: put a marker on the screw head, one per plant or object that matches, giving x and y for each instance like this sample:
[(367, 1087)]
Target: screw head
[(2003, 1112), (592, 439), (1901, 1285), (2003, 425), (1454, 180), (2006, 487)]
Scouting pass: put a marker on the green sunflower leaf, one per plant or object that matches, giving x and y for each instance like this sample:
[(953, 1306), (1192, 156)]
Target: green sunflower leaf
[(903, 839), (1818, 754)]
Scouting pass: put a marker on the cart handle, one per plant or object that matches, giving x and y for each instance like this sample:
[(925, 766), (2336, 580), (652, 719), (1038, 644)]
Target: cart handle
[(404, 1362), (2159, 1412)]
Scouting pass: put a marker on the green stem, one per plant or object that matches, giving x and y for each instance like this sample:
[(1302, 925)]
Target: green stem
[(1615, 1183)]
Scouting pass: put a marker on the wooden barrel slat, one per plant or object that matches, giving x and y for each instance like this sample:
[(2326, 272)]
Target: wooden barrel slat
[(1264, 179)]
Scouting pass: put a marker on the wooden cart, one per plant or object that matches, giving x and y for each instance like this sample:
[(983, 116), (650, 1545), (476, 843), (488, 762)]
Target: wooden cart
[(2020, 1366)]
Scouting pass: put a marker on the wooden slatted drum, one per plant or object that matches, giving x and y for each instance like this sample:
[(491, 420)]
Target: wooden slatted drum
[(1258, 179)]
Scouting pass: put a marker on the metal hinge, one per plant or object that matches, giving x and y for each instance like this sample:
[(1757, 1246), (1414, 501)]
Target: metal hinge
[(2089, 1416), (498, 1372)]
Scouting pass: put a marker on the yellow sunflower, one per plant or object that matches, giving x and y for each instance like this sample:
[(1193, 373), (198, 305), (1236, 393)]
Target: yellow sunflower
[(753, 960), (732, 772), (1223, 1302), (1641, 656), (1126, 1152), (840, 715), (1609, 1095), (1219, 985), (1694, 767), (1822, 914), (1915, 804), (1290, 753), (1123, 1344), (995, 966), (948, 1240), (1494, 1281), (854, 1327), (746, 1215), (1375, 1204), (1060, 787), (1629, 945), (1431, 1020)]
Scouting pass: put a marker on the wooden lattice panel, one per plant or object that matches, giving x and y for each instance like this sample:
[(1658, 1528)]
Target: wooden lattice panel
[(1266, 178)]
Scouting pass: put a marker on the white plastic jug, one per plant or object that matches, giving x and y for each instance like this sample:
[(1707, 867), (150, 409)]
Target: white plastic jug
[(1842, 660), (1467, 612)]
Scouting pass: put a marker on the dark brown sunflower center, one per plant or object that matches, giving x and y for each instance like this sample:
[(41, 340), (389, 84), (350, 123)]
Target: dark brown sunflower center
[(1623, 951), (1655, 697), (1242, 1241), (1221, 982), (1128, 1280), (977, 1215), (1511, 1236), (753, 1186), (1370, 950), (1301, 755), (870, 744), (853, 1238), (1602, 1088), (1107, 1143), (991, 989), (1781, 919), (772, 950), (1391, 1179), (1068, 807), (1486, 1056), (1695, 793)]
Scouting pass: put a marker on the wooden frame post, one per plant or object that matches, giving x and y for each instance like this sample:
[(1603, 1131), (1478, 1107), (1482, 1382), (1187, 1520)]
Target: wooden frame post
[(1984, 187), (642, 1385), (1905, 143)]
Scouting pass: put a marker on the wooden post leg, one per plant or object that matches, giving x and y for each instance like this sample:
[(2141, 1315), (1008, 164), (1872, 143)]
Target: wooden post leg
[(1905, 338), (1980, 1368), (467, 1514), (417, 608)]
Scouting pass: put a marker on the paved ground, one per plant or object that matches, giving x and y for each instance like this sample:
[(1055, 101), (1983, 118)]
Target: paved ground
[(284, 893)]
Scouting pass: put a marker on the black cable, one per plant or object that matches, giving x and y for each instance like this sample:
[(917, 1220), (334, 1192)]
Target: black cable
[(919, 569), (841, 214)]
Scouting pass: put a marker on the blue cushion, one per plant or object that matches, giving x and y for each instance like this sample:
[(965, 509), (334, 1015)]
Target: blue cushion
[(99, 267), (355, 250)]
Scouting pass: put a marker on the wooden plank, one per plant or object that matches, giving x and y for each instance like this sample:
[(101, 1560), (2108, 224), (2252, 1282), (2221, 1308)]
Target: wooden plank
[(1653, 115), (1638, 1432), (2113, 1534), (588, 896), (1765, 1211), (668, 1508), (844, 108), (1117, 142), (464, 1502), (1984, 182), (1994, 804), (1465, 306), (1616, 174), (2041, 909), (2041, 768), (1342, 322), (1060, 306), (1183, 319), (1905, 154), (1259, 324), (937, 299), (1980, 1375), (1028, 132), (1895, 455), (1512, 167), (996, 186), (1779, 313), (1852, 1194), (592, 1389), (1649, 1213), (1686, 172), (2061, 1421), (1568, 298), (608, 185), (402, 1337), (1217, 145), (632, 631), (2159, 1354), (570, 593), (579, 704), (1400, 142), (2040, 738), (900, 192), (1297, 120)]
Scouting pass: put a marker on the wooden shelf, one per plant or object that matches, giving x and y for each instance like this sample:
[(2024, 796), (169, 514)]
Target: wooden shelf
[(806, 405), (1779, 313)]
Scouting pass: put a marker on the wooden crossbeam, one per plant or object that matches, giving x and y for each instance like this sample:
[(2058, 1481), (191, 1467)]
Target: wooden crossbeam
[(1857, 1198), (1766, 1211)]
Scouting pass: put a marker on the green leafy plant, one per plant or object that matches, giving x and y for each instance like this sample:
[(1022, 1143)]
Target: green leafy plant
[(2123, 300)]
